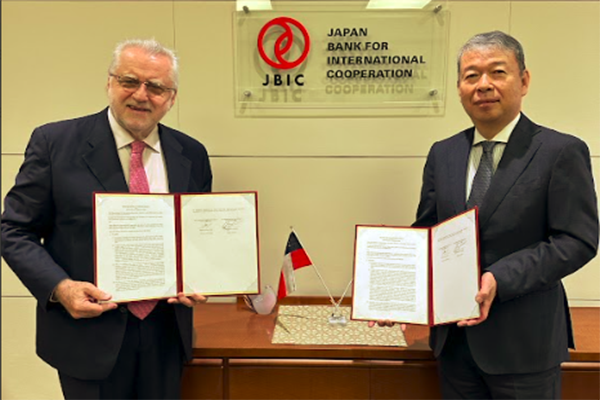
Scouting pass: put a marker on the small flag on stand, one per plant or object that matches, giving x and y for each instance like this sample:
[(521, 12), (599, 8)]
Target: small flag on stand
[(295, 257)]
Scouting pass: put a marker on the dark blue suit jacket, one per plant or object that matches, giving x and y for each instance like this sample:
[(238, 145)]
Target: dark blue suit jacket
[(538, 223), (47, 231)]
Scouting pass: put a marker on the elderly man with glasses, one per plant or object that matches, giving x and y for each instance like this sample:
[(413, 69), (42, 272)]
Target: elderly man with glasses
[(103, 350)]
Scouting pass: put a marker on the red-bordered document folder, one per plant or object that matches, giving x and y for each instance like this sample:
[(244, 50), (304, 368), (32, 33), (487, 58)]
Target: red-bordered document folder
[(423, 276), (153, 246)]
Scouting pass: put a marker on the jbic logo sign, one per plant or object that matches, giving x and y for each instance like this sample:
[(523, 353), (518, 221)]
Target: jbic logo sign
[(277, 47)]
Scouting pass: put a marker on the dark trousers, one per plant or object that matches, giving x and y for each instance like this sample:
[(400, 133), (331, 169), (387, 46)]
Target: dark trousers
[(149, 365), (461, 378)]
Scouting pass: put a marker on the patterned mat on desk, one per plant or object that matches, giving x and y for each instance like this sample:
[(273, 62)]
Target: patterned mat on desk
[(309, 325)]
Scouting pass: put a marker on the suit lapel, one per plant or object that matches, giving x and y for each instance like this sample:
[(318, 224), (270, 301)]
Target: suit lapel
[(178, 166), (102, 158), (518, 153), (457, 169)]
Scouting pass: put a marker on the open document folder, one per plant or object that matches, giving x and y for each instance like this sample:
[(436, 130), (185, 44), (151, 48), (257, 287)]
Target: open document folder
[(156, 245), (425, 276)]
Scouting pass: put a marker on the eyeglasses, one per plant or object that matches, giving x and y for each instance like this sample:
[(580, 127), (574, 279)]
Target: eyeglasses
[(132, 84)]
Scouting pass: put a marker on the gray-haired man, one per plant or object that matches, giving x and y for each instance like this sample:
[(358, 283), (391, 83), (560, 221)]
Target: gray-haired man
[(538, 222), (101, 350)]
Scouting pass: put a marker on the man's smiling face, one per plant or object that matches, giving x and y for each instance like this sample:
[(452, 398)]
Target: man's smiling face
[(491, 88), (137, 110)]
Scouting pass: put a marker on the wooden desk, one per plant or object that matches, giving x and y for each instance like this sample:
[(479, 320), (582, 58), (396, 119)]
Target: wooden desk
[(234, 359)]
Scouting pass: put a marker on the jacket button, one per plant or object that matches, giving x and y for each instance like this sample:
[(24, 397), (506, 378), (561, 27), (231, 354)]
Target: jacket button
[(123, 309)]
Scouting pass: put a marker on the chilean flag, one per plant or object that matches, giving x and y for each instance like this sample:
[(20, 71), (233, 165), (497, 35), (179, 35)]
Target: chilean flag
[(295, 257)]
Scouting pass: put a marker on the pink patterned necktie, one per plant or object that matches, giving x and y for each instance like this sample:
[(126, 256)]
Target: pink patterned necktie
[(138, 183)]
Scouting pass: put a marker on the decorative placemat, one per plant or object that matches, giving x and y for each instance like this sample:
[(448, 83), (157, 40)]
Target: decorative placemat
[(309, 325)]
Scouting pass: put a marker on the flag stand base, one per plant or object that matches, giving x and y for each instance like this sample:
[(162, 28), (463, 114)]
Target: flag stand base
[(335, 319)]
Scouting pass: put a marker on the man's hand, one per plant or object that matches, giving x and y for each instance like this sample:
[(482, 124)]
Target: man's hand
[(81, 299), (386, 322), (484, 297), (189, 301)]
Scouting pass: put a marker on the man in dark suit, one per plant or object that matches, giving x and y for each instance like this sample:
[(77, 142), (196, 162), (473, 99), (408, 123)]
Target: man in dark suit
[(101, 349), (538, 222)]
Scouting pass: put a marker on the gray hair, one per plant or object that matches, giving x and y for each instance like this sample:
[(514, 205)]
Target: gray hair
[(152, 47), (496, 39)]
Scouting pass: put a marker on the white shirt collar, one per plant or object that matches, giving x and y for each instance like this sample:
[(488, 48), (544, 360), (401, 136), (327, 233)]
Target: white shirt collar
[(124, 138), (502, 136)]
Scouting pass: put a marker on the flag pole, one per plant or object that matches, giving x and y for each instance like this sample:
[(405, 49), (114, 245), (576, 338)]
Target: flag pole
[(316, 270), (336, 316), (339, 302)]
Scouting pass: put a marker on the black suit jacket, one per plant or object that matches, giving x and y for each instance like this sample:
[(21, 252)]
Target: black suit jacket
[(47, 231), (538, 223)]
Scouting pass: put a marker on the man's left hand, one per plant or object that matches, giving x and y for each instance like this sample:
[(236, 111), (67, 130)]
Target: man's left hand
[(189, 301), (484, 297), (386, 322)]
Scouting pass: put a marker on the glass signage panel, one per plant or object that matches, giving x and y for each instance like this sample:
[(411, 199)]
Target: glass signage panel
[(341, 60)]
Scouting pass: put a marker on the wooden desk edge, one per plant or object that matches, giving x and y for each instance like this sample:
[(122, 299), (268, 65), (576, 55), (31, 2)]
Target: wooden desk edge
[(226, 344)]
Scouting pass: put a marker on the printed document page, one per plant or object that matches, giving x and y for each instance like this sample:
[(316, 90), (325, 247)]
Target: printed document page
[(135, 246), (219, 243), (455, 268), (391, 274)]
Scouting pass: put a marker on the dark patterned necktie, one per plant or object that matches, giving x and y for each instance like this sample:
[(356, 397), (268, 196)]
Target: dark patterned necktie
[(483, 176), (138, 183)]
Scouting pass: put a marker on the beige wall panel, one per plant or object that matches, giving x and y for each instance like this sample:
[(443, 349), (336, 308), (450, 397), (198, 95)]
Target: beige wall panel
[(24, 375), (207, 99), (562, 49), (322, 199), (55, 57), (583, 287), (11, 285)]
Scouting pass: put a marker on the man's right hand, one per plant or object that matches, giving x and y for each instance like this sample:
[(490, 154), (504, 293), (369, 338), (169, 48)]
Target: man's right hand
[(81, 299)]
